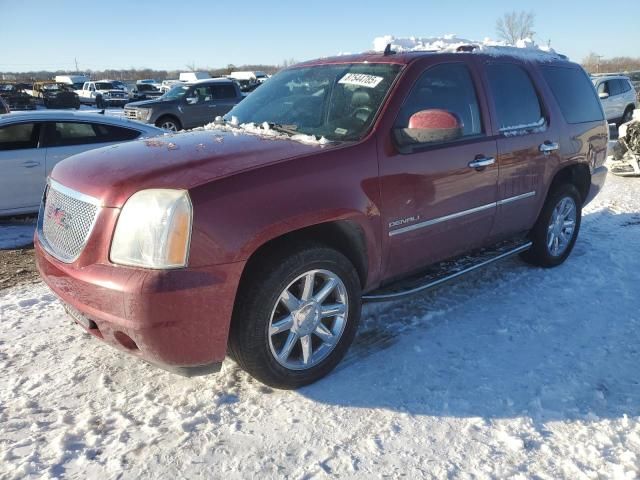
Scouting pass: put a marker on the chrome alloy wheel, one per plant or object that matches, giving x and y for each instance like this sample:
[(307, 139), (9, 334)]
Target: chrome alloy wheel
[(169, 125), (308, 319), (561, 226)]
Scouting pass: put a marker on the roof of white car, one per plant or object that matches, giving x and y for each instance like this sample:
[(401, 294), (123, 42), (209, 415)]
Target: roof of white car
[(207, 80), (609, 77), (62, 115)]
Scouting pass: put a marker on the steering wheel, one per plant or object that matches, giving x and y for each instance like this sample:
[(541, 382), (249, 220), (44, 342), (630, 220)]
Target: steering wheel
[(362, 114)]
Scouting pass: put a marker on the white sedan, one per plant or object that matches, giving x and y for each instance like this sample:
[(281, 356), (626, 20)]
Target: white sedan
[(32, 143)]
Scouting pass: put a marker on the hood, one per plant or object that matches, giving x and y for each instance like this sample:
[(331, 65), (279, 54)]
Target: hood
[(183, 161)]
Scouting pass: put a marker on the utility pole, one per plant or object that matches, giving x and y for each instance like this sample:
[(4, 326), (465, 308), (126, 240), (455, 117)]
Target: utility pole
[(75, 59), (598, 63)]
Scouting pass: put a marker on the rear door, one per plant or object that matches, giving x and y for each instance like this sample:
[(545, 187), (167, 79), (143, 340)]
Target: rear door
[(528, 143), (225, 96), (436, 203), (64, 139), (22, 167)]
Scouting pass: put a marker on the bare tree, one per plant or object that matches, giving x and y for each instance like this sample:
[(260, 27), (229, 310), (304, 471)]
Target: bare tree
[(514, 26)]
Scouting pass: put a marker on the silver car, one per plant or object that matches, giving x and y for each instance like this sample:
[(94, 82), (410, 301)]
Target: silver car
[(32, 143)]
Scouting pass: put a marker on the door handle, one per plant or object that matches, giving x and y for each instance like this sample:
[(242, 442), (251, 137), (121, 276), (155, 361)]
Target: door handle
[(482, 162), (30, 164), (548, 147)]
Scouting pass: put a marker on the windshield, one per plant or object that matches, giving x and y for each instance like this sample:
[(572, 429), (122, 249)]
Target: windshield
[(338, 102), (177, 91), (104, 86)]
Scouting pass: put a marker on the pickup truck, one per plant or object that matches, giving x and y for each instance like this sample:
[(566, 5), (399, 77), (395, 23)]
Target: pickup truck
[(102, 94), (343, 180)]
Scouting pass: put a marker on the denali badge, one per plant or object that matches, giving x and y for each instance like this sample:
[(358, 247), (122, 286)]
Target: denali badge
[(404, 221), (59, 216)]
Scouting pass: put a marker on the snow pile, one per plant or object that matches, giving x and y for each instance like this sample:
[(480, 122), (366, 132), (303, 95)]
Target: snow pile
[(451, 43), (264, 130)]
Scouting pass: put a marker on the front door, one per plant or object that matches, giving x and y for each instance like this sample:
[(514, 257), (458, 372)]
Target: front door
[(199, 107), (22, 167), (440, 200)]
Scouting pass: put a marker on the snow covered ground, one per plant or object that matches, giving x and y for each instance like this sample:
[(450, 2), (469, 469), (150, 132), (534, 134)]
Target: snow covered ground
[(16, 233), (514, 372)]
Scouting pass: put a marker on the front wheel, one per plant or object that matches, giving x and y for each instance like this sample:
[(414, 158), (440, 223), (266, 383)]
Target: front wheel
[(295, 316), (169, 123), (555, 233)]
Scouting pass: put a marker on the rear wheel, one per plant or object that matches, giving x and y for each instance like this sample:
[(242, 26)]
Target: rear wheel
[(296, 316), (556, 230), (99, 102), (169, 123), (628, 115)]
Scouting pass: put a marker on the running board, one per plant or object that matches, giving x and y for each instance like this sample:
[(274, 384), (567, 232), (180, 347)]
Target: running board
[(448, 270)]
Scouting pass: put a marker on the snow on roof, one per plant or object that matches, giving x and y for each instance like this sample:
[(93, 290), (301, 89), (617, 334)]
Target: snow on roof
[(526, 48)]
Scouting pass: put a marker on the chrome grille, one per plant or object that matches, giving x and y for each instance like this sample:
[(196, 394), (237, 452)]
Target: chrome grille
[(65, 221), (130, 113)]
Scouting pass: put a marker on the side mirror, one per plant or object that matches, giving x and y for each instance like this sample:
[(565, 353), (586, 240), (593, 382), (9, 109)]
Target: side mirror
[(603, 95), (428, 127), (191, 100)]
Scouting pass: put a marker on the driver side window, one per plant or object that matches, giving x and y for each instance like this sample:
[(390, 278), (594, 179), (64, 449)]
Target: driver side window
[(447, 87)]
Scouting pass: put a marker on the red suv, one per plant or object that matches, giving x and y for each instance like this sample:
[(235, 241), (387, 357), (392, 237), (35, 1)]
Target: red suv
[(339, 181)]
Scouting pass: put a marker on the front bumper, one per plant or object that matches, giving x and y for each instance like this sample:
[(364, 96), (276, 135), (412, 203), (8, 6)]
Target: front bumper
[(176, 319), (598, 177)]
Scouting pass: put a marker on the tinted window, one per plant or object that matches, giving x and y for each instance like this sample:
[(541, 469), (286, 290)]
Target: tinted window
[(624, 86), (574, 94), (614, 87), (445, 87), (224, 91), (19, 136), (516, 101), (603, 88), (75, 133)]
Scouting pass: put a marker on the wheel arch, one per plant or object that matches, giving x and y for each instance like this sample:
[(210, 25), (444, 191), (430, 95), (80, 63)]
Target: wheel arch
[(578, 174), (345, 236)]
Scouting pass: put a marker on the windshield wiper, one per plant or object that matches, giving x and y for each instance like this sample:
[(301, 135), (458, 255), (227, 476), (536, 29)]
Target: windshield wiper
[(290, 129)]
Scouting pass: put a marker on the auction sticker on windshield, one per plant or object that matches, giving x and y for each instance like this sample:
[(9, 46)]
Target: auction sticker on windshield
[(361, 79)]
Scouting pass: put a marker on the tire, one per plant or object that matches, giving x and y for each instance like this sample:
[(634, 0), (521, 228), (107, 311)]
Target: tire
[(545, 251), (99, 102), (258, 337), (169, 123), (627, 116)]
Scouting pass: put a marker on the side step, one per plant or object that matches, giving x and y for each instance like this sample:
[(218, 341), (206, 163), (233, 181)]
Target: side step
[(447, 270)]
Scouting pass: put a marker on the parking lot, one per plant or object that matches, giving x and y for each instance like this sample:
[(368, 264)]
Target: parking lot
[(476, 379)]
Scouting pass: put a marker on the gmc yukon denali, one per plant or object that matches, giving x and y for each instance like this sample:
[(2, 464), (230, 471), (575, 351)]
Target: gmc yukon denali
[(340, 181)]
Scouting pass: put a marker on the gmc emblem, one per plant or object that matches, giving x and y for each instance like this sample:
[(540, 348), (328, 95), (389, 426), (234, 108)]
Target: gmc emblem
[(59, 216)]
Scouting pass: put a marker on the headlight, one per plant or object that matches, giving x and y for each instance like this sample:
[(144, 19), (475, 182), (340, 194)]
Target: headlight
[(143, 113), (153, 230)]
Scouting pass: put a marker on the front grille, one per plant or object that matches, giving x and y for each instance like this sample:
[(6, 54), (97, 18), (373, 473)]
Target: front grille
[(130, 113), (65, 221)]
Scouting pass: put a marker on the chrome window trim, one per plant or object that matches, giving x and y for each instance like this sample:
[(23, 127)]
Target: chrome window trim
[(78, 196), (452, 216)]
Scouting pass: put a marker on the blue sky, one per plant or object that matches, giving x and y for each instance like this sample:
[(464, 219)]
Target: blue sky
[(158, 34)]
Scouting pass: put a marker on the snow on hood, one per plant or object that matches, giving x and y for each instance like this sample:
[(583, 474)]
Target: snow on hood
[(264, 130), (450, 43)]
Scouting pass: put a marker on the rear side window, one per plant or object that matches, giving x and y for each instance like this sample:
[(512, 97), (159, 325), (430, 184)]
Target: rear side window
[(76, 133), (446, 87), (516, 101), (19, 136), (574, 94), (224, 91)]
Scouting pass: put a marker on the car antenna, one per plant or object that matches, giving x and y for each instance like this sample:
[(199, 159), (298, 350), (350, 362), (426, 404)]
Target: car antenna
[(101, 112), (388, 51)]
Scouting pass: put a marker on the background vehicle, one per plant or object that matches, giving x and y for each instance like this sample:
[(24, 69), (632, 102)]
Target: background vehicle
[(56, 95), (336, 177), (77, 81), (16, 97), (193, 76), (4, 108), (261, 76), (618, 97), (145, 91), (168, 84), (102, 94), (246, 80), (187, 105), (32, 143)]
